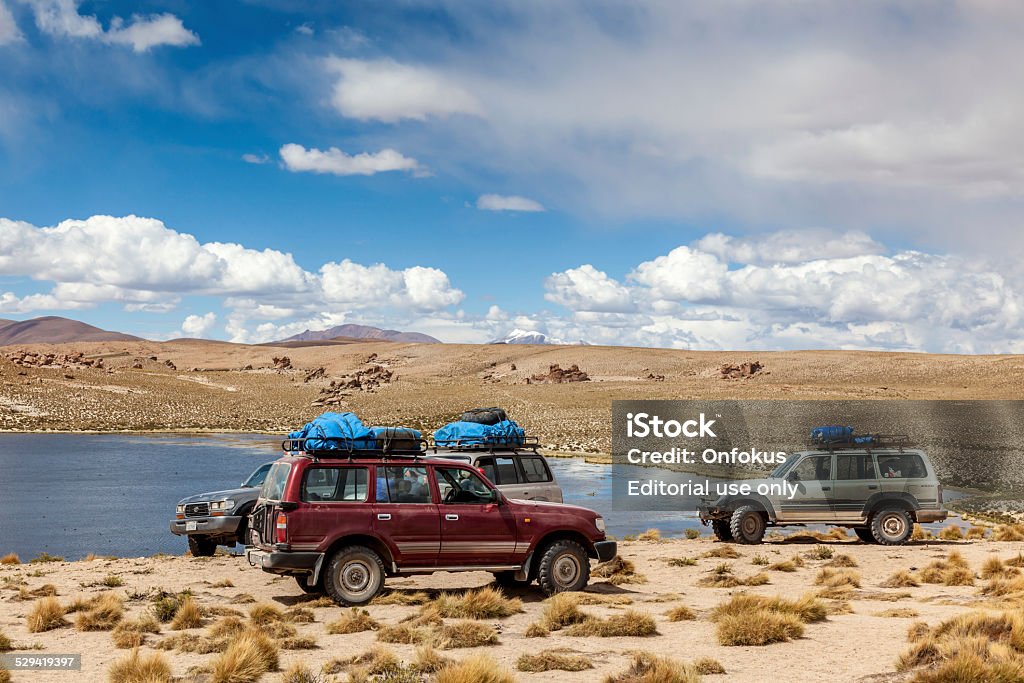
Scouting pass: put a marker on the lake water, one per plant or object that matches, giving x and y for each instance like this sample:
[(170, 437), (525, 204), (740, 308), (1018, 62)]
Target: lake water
[(114, 494)]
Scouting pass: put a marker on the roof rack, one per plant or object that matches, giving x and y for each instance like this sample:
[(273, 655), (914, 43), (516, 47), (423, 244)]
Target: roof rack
[(488, 444), (371, 446), (864, 442)]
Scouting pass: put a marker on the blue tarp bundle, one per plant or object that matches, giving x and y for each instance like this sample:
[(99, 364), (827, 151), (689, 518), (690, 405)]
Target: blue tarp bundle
[(345, 431), (504, 433), (831, 433)]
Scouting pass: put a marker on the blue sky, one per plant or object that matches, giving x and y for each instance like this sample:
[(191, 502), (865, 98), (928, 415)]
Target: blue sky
[(696, 175)]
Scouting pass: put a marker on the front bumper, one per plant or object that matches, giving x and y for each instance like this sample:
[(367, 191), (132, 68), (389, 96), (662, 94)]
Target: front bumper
[(208, 526), (284, 563), (708, 513), (606, 550)]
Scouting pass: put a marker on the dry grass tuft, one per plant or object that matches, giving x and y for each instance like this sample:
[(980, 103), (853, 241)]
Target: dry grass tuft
[(951, 533), (837, 578), (188, 615), (919, 533), (978, 646), (630, 623), (299, 615), (298, 643), (900, 579), (842, 560), (483, 603), (103, 613), (758, 627), (807, 608), (478, 669), (618, 571), (682, 562), (707, 666), (396, 597), (553, 660), (137, 668), (226, 627), (10, 558), (131, 633), (791, 565), (464, 634), (898, 613), (724, 552), (994, 567), (46, 615), (649, 535), (428, 660), (977, 532), (953, 571), (353, 621), (1008, 532), (403, 634), (248, 656), (536, 630), (300, 673), (265, 613), (649, 668), (562, 610), (721, 576), (5, 643), (681, 613)]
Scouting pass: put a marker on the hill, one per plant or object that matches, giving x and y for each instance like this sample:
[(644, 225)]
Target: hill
[(350, 331), (52, 329)]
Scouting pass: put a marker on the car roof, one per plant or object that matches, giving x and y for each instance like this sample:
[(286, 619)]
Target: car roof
[(400, 460), (861, 451)]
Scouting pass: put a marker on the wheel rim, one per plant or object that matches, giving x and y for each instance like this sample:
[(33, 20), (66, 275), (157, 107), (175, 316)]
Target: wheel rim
[(751, 524), (356, 577), (566, 569), (893, 525)]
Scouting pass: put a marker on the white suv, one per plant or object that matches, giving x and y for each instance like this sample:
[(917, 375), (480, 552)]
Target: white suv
[(520, 474)]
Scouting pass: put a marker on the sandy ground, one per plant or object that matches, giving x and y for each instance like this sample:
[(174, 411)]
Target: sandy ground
[(858, 646)]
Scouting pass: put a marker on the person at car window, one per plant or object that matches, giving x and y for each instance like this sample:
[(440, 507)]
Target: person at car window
[(890, 469)]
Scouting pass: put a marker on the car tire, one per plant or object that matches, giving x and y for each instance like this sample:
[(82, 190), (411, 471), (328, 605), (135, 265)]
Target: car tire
[(201, 546), (564, 566), (748, 525), (354, 575), (864, 534), (722, 530), (508, 579), (891, 526), (306, 588)]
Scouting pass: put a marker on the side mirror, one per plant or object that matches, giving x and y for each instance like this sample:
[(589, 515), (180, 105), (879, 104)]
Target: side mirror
[(496, 498)]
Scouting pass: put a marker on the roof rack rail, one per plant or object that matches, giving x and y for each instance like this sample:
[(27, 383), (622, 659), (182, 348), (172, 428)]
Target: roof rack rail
[(370, 446), (487, 444), (863, 442)]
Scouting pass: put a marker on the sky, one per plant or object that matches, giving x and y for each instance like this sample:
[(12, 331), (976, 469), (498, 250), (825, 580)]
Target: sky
[(740, 174)]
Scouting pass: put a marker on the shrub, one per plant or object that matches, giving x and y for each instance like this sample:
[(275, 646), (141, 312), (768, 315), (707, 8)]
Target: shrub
[(977, 532), (464, 634), (692, 534), (483, 603), (112, 581), (807, 608), (649, 668), (682, 562), (43, 558), (479, 669), (265, 613), (706, 666), (1008, 532), (629, 624), (900, 579), (247, 657), (46, 615), (820, 552), (835, 578), (428, 660), (724, 552), (188, 615), (758, 627), (951, 532), (536, 630), (650, 535), (562, 610), (760, 560), (552, 660), (300, 673), (136, 668), (354, 621), (10, 558), (681, 613)]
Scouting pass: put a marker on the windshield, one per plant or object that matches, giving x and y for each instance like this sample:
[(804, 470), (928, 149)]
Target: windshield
[(273, 487), (780, 471), (256, 479)]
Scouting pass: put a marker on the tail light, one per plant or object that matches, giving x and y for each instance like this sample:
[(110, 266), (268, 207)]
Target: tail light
[(282, 527)]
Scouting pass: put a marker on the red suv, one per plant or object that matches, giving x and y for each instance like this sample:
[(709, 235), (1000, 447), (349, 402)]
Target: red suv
[(341, 522)]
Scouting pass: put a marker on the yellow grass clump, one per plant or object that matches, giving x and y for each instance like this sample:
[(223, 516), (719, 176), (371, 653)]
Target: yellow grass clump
[(131, 633), (188, 615), (299, 615), (353, 621), (226, 627), (628, 624), (977, 646), (650, 668), (681, 613), (10, 558), (649, 535), (427, 660), (951, 532), (300, 673), (247, 657), (1008, 532), (478, 669), (836, 578), (536, 630), (721, 576), (398, 597), (841, 560), (618, 571), (553, 660), (464, 634), (5, 643), (791, 565), (482, 603), (724, 552), (953, 571), (919, 533), (977, 532), (900, 579), (46, 615), (137, 668), (898, 613), (562, 610), (807, 608), (265, 613), (758, 627)]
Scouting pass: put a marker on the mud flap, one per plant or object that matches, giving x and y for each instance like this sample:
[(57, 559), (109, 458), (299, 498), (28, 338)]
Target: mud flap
[(523, 573)]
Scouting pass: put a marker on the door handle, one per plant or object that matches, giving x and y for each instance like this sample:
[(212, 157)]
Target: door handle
[(826, 488), (451, 517), (384, 516), (872, 486)]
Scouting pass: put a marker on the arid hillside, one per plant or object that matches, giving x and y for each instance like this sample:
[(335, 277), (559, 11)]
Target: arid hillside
[(200, 385)]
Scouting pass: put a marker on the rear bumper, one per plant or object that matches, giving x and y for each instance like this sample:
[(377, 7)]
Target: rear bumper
[(931, 515), (208, 526), (284, 563), (606, 550)]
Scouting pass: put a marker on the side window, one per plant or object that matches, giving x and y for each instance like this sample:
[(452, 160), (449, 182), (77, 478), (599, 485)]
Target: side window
[(535, 470), (901, 466), (257, 478), (402, 485), (462, 486), (335, 484), (814, 468), (854, 466), (487, 466), (508, 473), (273, 487)]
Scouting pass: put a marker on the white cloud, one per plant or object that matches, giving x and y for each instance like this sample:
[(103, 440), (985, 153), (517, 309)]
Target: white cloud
[(250, 158), (587, 289), (9, 31), (497, 202), (387, 91), (60, 18), (297, 158), (198, 326), (350, 283), (788, 246)]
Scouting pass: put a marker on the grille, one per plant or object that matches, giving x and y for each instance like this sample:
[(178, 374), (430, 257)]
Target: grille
[(197, 510)]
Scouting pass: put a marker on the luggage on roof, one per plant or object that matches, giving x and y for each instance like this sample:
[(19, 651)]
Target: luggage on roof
[(831, 433), (464, 434), (485, 416), (345, 432)]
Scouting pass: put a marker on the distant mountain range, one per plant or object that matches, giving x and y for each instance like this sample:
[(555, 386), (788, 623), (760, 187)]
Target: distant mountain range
[(52, 329), (360, 332), (527, 337)]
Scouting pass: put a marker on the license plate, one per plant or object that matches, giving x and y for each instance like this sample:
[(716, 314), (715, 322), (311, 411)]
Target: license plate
[(191, 526)]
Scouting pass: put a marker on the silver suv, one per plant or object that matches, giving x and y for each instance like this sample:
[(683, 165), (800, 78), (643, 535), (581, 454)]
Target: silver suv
[(519, 474), (879, 490)]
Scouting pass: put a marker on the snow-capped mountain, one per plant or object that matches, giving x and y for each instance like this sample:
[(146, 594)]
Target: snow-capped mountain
[(518, 336)]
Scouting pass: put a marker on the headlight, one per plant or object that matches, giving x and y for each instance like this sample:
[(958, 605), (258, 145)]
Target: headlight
[(222, 505), (179, 509), (599, 523)]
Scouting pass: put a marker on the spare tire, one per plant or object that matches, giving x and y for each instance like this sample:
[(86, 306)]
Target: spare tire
[(484, 416)]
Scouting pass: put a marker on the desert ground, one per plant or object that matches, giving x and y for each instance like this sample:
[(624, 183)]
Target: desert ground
[(191, 385), (856, 629)]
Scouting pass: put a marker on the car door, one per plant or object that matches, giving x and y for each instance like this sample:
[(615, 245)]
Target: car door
[(332, 503), (811, 502), (475, 530), (537, 476), (855, 481), (405, 515)]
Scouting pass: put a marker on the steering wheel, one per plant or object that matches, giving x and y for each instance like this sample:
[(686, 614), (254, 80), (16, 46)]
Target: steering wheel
[(450, 496)]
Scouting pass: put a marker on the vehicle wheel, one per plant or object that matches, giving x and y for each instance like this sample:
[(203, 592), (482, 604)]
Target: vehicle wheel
[(301, 580), (864, 534), (722, 531), (564, 566), (201, 546), (891, 526), (747, 525), (354, 575), (508, 579)]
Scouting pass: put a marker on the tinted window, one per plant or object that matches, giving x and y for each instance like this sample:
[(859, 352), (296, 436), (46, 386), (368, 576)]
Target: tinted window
[(508, 473), (854, 466), (402, 485), (273, 487), (814, 468), (901, 466), (462, 486), (335, 484), (257, 478), (535, 469), (487, 466)]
